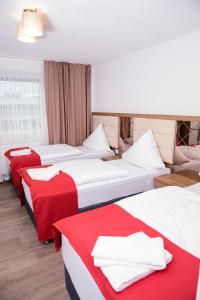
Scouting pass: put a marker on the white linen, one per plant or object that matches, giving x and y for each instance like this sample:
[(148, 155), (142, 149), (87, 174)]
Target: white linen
[(191, 152), (96, 172), (179, 157), (48, 173), (133, 250), (79, 273), (144, 153), (190, 165), (45, 174), (195, 188), (172, 211), (97, 140), (86, 153), (129, 259), (83, 278), (76, 163), (137, 181), (20, 152), (48, 152)]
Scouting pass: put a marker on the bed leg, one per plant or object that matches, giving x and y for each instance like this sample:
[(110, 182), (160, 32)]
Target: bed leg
[(47, 242)]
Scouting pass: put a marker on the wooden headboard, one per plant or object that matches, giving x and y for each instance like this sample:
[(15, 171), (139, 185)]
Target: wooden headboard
[(164, 128)]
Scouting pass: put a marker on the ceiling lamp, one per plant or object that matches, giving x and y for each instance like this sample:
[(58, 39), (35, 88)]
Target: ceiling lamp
[(21, 36), (32, 22), (30, 27)]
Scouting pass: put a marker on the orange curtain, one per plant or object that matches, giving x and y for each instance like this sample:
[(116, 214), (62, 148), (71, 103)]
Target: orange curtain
[(68, 101)]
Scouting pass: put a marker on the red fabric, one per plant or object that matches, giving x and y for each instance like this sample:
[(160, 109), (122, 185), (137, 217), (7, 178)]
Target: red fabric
[(177, 282), (18, 162), (52, 201)]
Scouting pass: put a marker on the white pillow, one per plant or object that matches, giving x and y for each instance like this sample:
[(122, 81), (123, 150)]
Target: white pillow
[(191, 152), (179, 157), (144, 153), (97, 140)]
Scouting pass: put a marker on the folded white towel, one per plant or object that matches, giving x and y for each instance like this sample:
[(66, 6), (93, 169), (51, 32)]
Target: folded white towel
[(45, 174), (130, 266), (20, 152), (48, 173), (132, 249)]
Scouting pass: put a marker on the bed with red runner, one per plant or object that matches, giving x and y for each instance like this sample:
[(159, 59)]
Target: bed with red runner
[(52, 200), (18, 162), (179, 281)]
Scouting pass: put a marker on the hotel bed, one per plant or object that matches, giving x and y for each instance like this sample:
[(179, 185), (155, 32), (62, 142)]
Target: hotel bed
[(65, 189), (50, 154), (92, 195), (137, 181), (95, 146), (173, 212)]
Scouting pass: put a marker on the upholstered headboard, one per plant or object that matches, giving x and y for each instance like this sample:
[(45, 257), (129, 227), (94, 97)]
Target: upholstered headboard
[(164, 132), (111, 128)]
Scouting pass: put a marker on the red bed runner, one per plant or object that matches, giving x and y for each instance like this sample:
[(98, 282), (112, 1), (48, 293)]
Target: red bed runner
[(52, 200), (18, 162), (177, 282)]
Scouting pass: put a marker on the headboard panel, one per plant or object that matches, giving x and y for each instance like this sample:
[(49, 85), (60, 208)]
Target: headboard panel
[(164, 132), (111, 128)]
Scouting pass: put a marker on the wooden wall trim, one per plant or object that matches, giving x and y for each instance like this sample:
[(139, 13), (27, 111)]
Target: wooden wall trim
[(150, 116)]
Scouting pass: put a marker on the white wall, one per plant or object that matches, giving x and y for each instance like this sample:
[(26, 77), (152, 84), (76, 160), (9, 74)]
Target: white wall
[(164, 79)]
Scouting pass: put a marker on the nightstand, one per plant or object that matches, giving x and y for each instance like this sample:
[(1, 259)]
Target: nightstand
[(182, 178), (112, 157)]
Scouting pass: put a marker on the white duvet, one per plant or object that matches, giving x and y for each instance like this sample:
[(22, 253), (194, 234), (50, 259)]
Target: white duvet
[(100, 171), (172, 211), (47, 152), (82, 171)]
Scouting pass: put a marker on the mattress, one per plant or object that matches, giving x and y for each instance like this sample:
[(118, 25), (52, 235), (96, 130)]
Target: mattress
[(80, 275), (51, 155), (85, 153), (138, 180)]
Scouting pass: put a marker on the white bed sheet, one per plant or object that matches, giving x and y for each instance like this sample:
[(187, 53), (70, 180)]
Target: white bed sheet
[(195, 188), (85, 153), (191, 165), (50, 155), (138, 180), (80, 275)]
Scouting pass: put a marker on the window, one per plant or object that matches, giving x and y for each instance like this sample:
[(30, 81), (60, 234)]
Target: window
[(22, 107)]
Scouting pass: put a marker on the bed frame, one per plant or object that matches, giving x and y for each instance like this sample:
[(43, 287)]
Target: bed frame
[(29, 211), (70, 286), (87, 208)]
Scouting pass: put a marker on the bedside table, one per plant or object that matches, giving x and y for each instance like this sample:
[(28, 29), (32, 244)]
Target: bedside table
[(182, 179), (112, 157)]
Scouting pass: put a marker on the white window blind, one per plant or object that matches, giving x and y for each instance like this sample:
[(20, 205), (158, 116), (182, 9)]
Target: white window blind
[(22, 107)]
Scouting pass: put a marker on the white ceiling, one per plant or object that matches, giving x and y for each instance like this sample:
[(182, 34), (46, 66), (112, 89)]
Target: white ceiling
[(91, 31)]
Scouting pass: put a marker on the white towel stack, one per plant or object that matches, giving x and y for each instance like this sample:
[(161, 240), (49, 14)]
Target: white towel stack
[(20, 152), (48, 173), (45, 174), (125, 260)]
